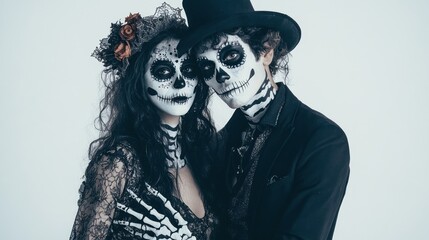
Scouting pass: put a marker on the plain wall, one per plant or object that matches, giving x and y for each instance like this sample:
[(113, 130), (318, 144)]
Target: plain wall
[(364, 64)]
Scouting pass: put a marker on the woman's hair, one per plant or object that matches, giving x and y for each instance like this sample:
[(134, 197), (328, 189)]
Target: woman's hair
[(127, 115), (260, 40)]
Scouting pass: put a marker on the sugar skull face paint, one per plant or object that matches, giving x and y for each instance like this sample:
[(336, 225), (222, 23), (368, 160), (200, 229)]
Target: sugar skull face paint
[(170, 81), (232, 70)]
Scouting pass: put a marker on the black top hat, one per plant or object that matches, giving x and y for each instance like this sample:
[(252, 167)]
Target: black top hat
[(206, 17)]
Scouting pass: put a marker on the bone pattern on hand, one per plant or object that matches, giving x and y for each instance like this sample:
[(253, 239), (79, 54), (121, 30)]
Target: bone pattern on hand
[(162, 227)]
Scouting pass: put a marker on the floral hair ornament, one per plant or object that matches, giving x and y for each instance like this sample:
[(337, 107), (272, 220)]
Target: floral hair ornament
[(127, 39)]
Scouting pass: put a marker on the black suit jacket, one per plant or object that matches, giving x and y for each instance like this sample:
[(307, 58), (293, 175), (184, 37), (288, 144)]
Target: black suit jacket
[(301, 176)]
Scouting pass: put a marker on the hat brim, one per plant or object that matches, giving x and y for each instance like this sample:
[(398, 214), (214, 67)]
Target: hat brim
[(288, 28)]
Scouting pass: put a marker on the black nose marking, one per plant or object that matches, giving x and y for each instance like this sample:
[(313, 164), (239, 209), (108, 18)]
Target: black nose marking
[(221, 75), (179, 83)]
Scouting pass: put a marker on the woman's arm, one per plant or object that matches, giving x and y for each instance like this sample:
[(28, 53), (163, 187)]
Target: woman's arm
[(105, 182)]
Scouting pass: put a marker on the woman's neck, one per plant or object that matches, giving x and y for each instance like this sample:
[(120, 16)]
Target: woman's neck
[(172, 147), (258, 104)]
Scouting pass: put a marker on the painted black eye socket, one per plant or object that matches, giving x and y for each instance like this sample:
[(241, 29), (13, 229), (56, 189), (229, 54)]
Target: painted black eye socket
[(232, 55), (189, 69), (162, 70), (206, 68)]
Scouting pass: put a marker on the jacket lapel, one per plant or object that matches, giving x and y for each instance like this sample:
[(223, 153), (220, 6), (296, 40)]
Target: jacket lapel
[(233, 129), (277, 141)]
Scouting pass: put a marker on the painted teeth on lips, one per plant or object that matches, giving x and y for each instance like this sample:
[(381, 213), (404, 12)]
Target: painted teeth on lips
[(178, 98), (234, 87), (182, 99)]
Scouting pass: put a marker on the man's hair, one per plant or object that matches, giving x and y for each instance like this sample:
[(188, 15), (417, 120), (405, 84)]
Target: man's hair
[(260, 40)]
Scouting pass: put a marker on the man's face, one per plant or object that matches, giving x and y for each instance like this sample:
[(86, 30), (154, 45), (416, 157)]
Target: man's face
[(232, 70), (170, 81)]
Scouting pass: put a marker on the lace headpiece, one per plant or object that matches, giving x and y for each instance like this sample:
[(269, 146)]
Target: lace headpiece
[(127, 39)]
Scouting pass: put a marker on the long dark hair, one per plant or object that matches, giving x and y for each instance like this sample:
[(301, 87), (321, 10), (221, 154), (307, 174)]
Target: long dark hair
[(127, 115)]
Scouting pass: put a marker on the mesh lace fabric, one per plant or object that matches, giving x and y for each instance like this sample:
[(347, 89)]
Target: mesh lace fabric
[(104, 187)]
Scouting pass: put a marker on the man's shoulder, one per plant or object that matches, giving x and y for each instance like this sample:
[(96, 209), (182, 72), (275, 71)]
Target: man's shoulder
[(318, 140), (306, 122), (312, 120), (314, 116)]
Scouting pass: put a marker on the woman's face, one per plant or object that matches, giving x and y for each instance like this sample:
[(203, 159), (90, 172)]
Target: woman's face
[(170, 81)]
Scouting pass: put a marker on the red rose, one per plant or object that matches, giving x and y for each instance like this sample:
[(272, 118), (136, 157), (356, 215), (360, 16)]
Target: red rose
[(133, 18), (127, 32), (122, 50)]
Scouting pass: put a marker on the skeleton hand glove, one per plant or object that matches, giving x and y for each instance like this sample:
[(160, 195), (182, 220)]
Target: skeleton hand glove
[(163, 228)]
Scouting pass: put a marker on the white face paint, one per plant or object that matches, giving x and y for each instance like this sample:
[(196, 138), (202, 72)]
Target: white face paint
[(170, 81), (231, 69)]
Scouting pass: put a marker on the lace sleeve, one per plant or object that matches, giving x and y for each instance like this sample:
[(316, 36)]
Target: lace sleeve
[(105, 182)]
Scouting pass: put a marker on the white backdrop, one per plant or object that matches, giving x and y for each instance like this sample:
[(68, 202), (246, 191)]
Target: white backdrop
[(363, 63)]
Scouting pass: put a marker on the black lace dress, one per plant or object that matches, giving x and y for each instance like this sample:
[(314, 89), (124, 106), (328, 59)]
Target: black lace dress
[(104, 188)]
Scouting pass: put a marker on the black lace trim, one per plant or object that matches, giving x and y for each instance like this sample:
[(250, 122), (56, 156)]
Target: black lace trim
[(104, 187)]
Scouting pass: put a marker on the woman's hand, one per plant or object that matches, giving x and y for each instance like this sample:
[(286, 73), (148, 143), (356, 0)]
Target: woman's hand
[(163, 229)]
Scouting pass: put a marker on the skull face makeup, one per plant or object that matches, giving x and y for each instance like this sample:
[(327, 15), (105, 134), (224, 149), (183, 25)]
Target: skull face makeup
[(170, 81), (231, 69)]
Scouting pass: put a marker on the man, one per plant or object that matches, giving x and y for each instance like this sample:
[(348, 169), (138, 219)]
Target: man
[(283, 168)]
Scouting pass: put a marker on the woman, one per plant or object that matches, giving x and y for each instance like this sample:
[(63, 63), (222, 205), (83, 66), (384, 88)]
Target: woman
[(147, 177)]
